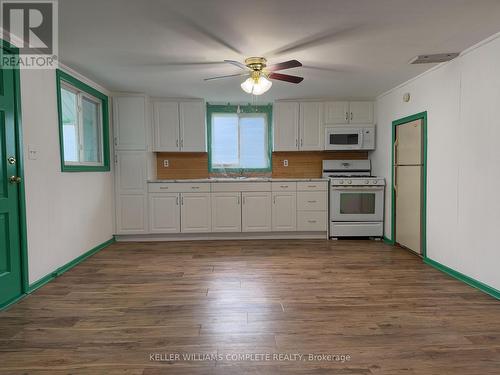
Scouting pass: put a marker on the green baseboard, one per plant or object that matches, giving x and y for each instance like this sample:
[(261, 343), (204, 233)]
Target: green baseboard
[(58, 272), (12, 302), (495, 293)]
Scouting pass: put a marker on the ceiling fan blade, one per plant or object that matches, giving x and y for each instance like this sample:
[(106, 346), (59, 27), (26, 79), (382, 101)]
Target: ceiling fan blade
[(284, 65), (237, 63), (228, 76), (314, 40), (286, 77)]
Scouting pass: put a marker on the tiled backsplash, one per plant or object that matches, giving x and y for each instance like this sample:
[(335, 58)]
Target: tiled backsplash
[(303, 164)]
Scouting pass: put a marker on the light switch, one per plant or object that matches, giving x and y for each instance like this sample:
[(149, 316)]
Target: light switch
[(32, 152), (285, 163), (165, 163)]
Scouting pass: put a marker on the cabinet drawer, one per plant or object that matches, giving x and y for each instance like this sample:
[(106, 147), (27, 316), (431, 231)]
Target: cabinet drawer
[(312, 201), (284, 186), (311, 221), (312, 186), (179, 187), (240, 186)]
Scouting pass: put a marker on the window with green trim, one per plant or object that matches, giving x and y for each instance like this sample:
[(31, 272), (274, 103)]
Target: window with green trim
[(83, 126), (239, 138)]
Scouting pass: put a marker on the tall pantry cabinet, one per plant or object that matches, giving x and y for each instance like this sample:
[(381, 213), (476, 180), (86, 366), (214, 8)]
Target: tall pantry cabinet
[(131, 160)]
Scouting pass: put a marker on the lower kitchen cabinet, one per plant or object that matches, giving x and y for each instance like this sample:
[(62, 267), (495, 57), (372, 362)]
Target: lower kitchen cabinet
[(164, 213), (196, 213), (226, 212), (131, 214), (284, 211), (256, 212)]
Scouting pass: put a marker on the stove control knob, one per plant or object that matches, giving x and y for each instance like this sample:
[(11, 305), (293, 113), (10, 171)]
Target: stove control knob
[(375, 182), (367, 182), (341, 182), (349, 182)]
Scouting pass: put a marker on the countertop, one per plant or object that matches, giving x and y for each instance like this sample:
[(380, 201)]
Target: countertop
[(236, 179)]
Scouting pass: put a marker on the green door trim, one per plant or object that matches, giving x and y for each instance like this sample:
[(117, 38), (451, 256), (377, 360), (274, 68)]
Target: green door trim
[(10, 49), (419, 116)]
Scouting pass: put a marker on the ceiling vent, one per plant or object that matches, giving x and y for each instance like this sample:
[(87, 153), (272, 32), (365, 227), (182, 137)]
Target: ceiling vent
[(433, 59)]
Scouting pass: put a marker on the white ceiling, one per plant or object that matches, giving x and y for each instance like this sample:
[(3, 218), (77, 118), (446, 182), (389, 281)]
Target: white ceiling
[(360, 48)]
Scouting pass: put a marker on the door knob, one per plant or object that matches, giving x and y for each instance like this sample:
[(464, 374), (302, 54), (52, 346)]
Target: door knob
[(14, 179)]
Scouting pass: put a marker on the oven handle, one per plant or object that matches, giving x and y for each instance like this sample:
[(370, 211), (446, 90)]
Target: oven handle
[(364, 188)]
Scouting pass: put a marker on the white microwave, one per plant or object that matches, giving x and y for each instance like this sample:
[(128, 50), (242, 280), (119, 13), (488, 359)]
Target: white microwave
[(358, 137)]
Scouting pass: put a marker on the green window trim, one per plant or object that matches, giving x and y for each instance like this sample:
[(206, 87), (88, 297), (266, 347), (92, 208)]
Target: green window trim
[(62, 77), (229, 108)]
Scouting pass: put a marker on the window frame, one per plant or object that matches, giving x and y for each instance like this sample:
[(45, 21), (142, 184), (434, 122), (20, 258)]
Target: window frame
[(267, 110), (64, 79)]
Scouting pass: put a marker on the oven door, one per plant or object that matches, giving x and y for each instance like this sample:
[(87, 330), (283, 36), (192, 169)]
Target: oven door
[(357, 203), (343, 139)]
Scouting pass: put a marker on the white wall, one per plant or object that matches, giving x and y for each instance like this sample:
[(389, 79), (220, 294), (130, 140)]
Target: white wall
[(462, 100), (67, 213)]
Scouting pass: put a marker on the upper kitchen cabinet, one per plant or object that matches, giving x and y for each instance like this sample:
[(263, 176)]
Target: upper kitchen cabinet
[(286, 126), (336, 113), (311, 129), (166, 126), (339, 113), (129, 115), (192, 127), (179, 126), (360, 112)]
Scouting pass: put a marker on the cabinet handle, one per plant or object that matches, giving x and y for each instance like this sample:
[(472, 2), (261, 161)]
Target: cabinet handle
[(243, 200), (283, 186), (351, 116), (195, 187), (274, 199), (312, 186), (311, 221), (301, 142), (177, 200), (238, 200), (347, 116), (311, 201), (163, 187), (182, 142), (182, 201), (296, 143), (116, 141), (177, 143)]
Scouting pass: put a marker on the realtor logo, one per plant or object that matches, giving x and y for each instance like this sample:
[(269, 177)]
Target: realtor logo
[(32, 27)]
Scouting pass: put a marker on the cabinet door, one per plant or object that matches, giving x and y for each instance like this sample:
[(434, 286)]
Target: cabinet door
[(130, 190), (129, 117), (166, 126), (311, 127), (226, 212), (131, 172), (164, 213), (336, 113), (131, 214), (361, 112), (284, 212), (196, 213), (192, 127), (286, 126), (256, 212)]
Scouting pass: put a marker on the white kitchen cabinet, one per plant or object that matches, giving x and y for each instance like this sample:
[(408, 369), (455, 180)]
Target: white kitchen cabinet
[(226, 212), (164, 213), (256, 212), (192, 127), (130, 122), (130, 192), (286, 126), (196, 214), (284, 211), (361, 112), (311, 128), (166, 131), (336, 113)]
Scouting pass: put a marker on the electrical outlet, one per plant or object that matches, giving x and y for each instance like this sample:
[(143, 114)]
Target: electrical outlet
[(165, 163), (285, 163)]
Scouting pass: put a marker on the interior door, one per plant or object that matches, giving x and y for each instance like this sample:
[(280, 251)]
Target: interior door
[(408, 185), (10, 246)]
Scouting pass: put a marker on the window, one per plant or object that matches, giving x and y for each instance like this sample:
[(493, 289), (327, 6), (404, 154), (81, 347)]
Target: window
[(83, 126), (239, 140)]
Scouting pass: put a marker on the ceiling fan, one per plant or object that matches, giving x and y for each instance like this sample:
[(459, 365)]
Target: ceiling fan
[(259, 74)]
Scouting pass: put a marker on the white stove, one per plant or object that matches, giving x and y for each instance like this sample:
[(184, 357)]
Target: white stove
[(356, 199)]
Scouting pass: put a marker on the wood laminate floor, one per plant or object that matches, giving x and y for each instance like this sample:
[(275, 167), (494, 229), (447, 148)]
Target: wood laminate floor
[(224, 300)]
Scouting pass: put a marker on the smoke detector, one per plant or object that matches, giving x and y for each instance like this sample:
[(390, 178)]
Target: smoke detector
[(433, 59)]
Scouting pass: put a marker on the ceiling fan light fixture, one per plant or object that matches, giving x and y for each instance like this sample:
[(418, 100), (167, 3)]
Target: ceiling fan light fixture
[(256, 85)]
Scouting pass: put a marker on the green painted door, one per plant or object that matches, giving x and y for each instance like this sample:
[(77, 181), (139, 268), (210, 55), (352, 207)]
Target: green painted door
[(10, 251)]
